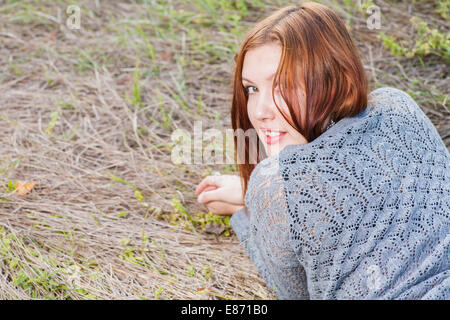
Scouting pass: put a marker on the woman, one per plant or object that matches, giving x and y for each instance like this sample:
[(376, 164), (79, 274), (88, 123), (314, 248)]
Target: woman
[(352, 200)]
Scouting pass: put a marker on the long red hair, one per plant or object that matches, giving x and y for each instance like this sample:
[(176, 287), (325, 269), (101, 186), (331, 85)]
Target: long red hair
[(319, 57)]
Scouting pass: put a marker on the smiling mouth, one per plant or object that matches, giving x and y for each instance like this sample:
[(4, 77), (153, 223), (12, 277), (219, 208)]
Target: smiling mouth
[(273, 136)]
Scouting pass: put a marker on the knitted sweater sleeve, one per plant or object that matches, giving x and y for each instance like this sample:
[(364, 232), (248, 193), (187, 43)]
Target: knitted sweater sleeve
[(264, 233)]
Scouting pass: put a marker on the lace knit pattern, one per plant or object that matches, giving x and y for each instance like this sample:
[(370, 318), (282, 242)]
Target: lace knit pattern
[(362, 212)]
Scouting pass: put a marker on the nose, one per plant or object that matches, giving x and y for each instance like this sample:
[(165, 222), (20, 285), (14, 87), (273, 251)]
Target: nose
[(265, 107)]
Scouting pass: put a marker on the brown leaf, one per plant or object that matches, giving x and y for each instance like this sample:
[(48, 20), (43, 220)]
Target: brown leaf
[(22, 188), (214, 229), (166, 56), (51, 37), (124, 79)]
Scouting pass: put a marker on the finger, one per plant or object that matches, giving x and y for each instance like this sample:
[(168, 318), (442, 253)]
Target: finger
[(210, 180), (209, 188), (202, 185), (208, 196)]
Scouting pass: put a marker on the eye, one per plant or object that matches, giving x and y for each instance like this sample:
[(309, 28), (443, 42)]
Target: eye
[(248, 88)]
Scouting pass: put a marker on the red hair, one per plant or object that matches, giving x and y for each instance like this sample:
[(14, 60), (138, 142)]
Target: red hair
[(319, 57)]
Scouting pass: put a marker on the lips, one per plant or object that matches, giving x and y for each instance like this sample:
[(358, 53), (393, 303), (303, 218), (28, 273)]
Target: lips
[(273, 136)]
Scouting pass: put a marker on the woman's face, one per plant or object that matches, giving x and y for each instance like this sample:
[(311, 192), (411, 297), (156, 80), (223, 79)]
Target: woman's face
[(260, 65)]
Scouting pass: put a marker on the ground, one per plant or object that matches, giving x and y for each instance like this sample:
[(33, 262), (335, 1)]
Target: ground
[(87, 114)]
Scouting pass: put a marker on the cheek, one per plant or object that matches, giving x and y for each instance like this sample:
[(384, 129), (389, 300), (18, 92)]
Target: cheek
[(284, 108), (251, 112)]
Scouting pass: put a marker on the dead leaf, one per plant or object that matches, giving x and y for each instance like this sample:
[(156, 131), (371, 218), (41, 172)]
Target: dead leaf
[(167, 56), (22, 188), (214, 229), (51, 37), (124, 79)]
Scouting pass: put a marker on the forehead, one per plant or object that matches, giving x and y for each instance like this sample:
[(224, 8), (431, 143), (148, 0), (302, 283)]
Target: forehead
[(261, 62)]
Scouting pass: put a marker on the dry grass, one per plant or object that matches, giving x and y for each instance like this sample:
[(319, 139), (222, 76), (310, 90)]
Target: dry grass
[(80, 109)]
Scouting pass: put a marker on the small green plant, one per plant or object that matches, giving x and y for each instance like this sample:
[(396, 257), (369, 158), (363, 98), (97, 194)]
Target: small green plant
[(178, 96), (85, 61), (20, 258), (443, 8), (137, 192), (206, 222), (53, 122), (150, 51), (366, 5), (429, 41), (11, 186), (191, 270), (136, 97), (179, 208), (122, 214), (158, 293), (14, 68), (65, 105), (165, 121), (206, 272)]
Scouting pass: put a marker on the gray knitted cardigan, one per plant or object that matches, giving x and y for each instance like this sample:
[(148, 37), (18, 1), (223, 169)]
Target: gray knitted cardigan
[(361, 212)]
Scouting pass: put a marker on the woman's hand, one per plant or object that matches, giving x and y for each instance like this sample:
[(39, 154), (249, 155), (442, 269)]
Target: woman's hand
[(221, 194)]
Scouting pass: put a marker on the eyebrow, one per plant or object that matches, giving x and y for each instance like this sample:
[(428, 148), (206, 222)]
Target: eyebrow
[(267, 79)]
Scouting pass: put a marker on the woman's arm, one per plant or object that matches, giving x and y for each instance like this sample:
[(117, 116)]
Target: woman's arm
[(265, 233)]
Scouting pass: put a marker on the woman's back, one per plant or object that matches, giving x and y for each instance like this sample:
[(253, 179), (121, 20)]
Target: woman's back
[(360, 212)]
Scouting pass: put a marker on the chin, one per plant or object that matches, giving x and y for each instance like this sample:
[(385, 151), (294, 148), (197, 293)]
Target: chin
[(273, 150)]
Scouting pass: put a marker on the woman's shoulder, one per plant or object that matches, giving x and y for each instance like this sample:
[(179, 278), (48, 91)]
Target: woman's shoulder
[(389, 91), (393, 100), (393, 123), (400, 116)]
